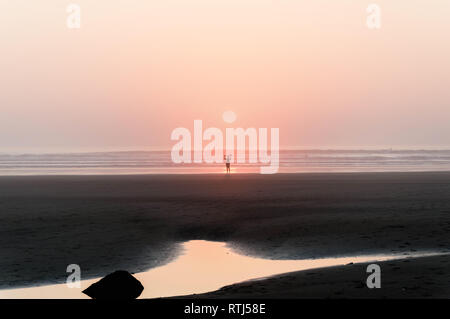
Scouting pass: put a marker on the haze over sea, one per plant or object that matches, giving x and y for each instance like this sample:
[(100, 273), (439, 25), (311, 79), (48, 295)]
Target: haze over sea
[(159, 162)]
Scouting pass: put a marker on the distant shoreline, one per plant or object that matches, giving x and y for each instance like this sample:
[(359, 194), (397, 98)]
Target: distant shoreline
[(213, 174), (160, 162)]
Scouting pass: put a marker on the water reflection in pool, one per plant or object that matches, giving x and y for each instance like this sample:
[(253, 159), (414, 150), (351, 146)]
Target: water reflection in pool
[(203, 266)]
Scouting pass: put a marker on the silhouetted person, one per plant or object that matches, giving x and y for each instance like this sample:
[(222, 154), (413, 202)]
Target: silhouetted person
[(227, 159)]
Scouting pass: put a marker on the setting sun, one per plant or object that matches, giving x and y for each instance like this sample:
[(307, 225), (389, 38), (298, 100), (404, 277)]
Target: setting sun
[(229, 116)]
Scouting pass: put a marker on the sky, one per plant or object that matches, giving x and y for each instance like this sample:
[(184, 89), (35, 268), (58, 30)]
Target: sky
[(136, 70)]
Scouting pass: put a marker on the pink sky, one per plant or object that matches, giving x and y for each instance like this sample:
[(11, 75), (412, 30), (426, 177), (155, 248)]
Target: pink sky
[(136, 70)]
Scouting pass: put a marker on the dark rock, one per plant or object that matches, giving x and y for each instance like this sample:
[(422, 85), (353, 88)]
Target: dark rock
[(118, 285)]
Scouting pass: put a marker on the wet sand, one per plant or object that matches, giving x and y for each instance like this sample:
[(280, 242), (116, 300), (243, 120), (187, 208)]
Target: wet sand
[(105, 223)]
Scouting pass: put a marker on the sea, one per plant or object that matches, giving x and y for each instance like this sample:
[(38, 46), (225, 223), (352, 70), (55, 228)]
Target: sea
[(160, 162)]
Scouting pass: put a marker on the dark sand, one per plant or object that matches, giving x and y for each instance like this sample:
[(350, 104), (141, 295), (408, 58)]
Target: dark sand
[(105, 223)]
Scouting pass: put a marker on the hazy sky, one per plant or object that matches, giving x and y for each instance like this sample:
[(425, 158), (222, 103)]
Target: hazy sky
[(136, 70)]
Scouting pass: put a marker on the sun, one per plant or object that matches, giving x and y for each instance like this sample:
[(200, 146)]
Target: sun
[(229, 116)]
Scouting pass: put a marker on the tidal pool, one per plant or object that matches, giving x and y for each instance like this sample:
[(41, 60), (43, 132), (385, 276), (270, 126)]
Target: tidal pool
[(203, 266)]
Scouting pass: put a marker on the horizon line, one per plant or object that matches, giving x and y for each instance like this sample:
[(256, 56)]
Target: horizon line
[(304, 149)]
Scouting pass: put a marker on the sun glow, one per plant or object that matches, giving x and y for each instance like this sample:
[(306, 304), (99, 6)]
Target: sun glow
[(229, 116)]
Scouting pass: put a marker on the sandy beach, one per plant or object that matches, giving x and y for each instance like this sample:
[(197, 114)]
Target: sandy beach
[(105, 223)]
